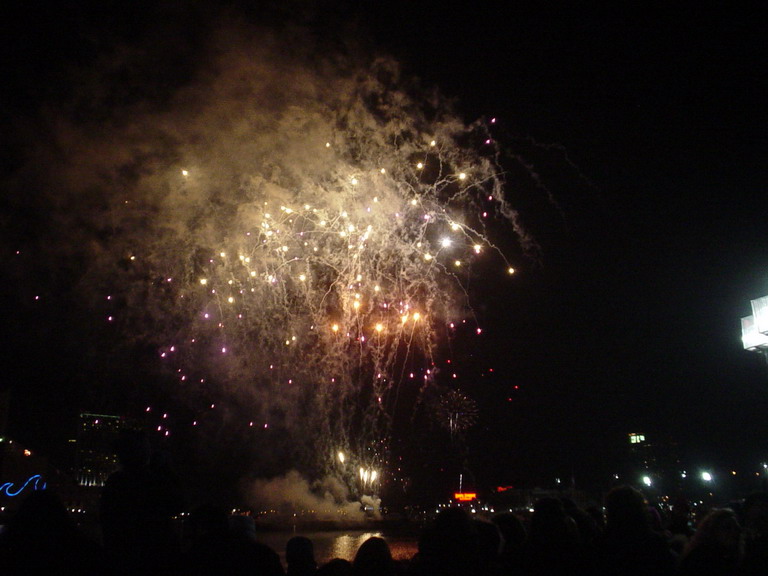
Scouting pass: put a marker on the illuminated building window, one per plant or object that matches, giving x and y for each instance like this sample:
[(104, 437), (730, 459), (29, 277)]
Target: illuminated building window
[(95, 457)]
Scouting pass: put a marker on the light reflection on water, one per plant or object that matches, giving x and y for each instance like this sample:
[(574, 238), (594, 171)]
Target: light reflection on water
[(341, 544), (346, 545)]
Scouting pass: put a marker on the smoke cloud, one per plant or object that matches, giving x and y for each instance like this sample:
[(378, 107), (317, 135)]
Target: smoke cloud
[(291, 497)]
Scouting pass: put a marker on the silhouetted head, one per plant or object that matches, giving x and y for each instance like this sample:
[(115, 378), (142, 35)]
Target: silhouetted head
[(626, 510), (489, 539), (755, 515), (719, 528), (373, 558), (450, 541), (454, 526), (300, 555), (550, 524), (512, 530)]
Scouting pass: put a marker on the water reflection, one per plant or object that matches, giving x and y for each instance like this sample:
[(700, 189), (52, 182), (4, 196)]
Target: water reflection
[(342, 544), (346, 545)]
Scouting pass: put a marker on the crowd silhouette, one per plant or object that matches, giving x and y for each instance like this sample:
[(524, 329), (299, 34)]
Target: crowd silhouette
[(623, 537)]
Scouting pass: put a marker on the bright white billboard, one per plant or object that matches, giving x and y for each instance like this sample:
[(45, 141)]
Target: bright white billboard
[(750, 336)]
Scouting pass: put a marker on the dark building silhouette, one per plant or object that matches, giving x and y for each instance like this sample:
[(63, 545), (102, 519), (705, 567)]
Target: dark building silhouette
[(642, 453), (654, 463), (95, 458)]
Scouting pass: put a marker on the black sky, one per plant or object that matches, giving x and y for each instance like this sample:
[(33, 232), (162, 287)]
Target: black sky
[(658, 243), (648, 129)]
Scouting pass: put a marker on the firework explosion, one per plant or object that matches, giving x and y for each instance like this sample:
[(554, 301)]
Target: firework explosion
[(296, 233), (456, 412)]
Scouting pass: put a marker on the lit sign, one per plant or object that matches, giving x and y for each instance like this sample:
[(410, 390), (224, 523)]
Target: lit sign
[(636, 438), (36, 482), (465, 496)]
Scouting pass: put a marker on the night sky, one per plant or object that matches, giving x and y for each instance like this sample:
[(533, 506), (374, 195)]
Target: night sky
[(646, 133)]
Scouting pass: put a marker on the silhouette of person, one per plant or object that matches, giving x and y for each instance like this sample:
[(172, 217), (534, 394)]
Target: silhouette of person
[(754, 513), (514, 536), (373, 558), (43, 539), (217, 549), (137, 505), (553, 546), (300, 557), (448, 547), (715, 548), (628, 544)]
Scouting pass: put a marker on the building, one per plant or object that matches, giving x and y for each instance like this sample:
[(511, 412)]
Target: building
[(654, 464), (95, 459), (79, 487), (642, 453)]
